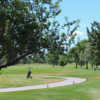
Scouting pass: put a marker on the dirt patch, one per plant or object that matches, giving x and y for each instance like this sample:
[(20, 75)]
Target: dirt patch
[(98, 77)]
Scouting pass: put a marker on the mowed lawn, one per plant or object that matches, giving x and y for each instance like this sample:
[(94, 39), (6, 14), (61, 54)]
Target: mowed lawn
[(89, 90), (15, 76)]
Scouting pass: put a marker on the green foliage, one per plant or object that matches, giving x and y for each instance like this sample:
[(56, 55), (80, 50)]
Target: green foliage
[(38, 60), (94, 41), (62, 60), (52, 58), (23, 27), (80, 53), (30, 27), (58, 45), (73, 54)]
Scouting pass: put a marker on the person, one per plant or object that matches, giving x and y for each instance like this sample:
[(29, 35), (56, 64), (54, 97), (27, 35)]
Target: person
[(29, 73)]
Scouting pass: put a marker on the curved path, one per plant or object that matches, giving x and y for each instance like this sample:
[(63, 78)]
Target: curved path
[(67, 81)]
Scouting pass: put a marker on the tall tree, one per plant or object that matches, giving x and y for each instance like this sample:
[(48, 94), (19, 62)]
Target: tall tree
[(58, 45), (80, 53), (23, 25), (84, 54), (94, 41), (74, 55)]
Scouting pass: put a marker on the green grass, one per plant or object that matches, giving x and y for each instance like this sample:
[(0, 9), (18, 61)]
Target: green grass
[(89, 90), (15, 76), (16, 80)]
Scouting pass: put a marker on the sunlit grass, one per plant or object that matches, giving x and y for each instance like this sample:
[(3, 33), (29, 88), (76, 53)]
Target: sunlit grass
[(88, 90), (9, 80)]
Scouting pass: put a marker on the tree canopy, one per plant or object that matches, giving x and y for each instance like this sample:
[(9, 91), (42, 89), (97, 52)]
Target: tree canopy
[(94, 41), (23, 25), (30, 27), (79, 54)]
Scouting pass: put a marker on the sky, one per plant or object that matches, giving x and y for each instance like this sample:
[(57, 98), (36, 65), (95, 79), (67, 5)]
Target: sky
[(85, 10)]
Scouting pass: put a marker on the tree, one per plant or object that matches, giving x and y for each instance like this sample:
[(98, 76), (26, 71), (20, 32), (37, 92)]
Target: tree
[(23, 25), (80, 53), (58, 45), (94, 41), (74, 54), (87, 55), (84, 55), (62, 60), (52, 59)]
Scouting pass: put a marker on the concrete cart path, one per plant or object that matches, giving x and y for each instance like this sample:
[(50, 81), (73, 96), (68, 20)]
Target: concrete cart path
[(67, 81)]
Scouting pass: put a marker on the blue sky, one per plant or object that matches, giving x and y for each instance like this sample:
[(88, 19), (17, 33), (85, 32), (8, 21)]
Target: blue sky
[(85, 10)]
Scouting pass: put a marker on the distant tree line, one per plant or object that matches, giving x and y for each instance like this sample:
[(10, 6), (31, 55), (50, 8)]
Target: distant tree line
[(84, 53), (87, 52)]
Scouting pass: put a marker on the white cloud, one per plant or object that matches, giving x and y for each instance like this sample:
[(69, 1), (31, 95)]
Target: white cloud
[(77, 33)]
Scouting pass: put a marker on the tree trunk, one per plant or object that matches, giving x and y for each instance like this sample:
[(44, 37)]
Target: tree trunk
[(86, 64), (76, 65), (15, 61)]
